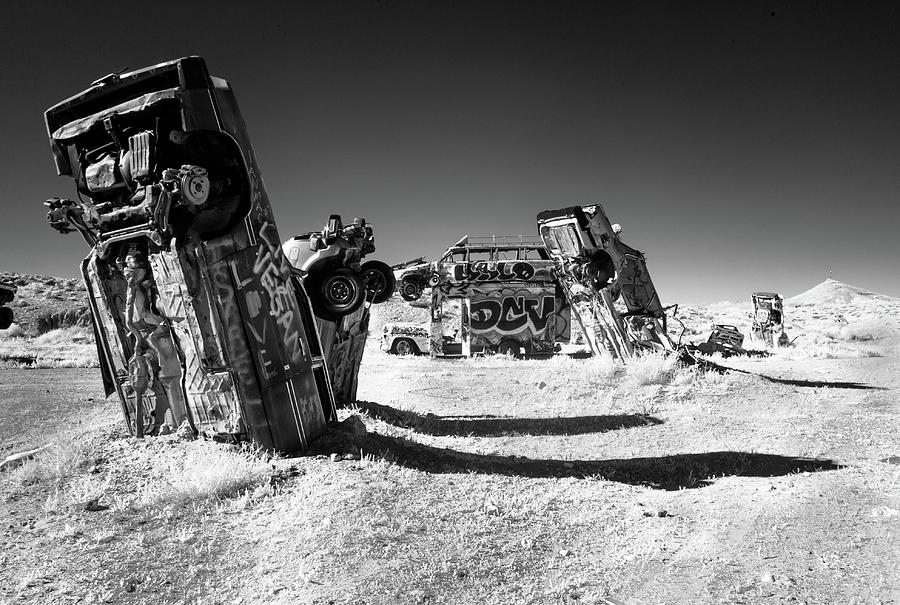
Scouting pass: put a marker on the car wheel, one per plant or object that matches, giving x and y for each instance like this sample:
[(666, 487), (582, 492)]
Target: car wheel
[(510, 348), (6, 317), (342, 292), (378, 279), (410, 290), (404, 346)]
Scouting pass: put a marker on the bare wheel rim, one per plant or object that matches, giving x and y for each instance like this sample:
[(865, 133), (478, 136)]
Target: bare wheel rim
[(340, 291), (374, 281)]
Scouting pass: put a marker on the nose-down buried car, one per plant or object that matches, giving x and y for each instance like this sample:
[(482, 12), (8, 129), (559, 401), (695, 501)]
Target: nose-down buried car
[(596, 269), (341, 287), (196, 317), (768, 319)]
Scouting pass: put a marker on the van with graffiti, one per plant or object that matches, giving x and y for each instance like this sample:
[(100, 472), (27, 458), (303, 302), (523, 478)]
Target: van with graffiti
[(489, 295), (517, 319), (467, 260)]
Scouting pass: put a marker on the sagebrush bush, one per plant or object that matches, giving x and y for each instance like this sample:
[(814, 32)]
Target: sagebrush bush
[(651, 368), (54, 465), (201, 471)]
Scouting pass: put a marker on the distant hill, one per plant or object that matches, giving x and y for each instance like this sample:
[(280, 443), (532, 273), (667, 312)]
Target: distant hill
[(832, 291)]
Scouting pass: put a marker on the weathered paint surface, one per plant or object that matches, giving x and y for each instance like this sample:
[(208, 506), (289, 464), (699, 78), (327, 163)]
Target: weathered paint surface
[(344, 342)]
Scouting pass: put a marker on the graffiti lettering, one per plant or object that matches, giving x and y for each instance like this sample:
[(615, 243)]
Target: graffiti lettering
[(273, 270), (493, 271), (512, 314)]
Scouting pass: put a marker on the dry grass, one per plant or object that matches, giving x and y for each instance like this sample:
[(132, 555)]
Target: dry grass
[(52, 466), (200, 473), (156, 475), (64, 348)]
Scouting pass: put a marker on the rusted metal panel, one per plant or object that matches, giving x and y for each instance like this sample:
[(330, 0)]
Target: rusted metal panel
[(345, 342)]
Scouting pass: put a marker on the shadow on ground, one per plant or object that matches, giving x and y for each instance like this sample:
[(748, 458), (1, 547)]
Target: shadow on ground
[(493, 426), (710, 365), (679, 471)]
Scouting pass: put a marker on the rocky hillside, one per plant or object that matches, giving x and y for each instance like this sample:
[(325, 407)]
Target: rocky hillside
[(45, 303)]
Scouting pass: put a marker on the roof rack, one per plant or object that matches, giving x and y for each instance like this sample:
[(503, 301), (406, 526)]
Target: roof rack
[(499, 241)]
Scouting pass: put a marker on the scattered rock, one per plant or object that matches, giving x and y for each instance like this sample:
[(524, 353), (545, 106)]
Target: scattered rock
[(185, 432), (766, 577), (92, 506), (336, 458), (542, 385), (663, 513), (884, 511)]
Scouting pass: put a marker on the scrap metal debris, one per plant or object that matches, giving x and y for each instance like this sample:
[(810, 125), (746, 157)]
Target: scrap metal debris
[(727, 341)]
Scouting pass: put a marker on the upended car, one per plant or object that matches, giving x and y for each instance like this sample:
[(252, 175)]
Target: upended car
[(606, 281), (330, 264), (768, 319), (198, 322), (342, 288)]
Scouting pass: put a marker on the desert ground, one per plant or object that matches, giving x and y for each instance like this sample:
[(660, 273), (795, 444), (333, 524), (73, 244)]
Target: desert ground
[(484, 480)]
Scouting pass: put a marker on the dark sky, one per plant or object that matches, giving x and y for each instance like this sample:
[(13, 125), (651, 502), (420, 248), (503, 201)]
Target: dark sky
[(742, 146)]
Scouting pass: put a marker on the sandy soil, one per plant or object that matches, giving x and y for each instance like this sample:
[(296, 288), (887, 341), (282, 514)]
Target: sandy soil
[(487, 481)]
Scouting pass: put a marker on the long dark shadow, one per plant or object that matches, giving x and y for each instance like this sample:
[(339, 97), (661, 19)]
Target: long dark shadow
[(678, 471), (711, 365), (492, 426)]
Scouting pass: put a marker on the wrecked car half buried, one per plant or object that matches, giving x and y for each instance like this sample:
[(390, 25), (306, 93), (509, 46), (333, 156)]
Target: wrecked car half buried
[(196, 318), (596, 269)]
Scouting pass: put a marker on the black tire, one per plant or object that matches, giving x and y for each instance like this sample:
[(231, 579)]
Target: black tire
[(6, 317), (404, 346), (335, 293), (410, 290), (601, 269), (378, 279), (509, 347)]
